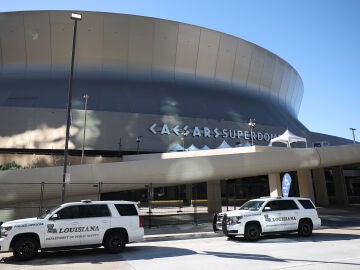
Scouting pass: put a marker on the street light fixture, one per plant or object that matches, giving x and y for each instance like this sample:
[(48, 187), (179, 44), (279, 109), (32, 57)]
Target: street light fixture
[(353, 133), (86, 97), (76, 17), (252, 126), (138, 140)]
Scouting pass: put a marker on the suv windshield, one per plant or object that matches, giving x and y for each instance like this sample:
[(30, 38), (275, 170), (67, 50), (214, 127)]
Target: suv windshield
[(251, 205)]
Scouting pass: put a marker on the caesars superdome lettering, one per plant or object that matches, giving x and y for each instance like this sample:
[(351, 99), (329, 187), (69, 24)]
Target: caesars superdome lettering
[(206, 132)]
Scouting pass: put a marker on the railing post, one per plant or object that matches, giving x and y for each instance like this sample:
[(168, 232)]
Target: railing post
[(179, 198), (99, 190), (149, 201), (195, 205), (42, 186)]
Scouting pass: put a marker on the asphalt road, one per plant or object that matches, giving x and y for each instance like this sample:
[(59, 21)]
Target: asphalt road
[(335, 246), (326, 249)]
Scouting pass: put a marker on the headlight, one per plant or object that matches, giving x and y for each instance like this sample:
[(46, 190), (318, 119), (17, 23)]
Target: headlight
[(5, 230), (235, 220)]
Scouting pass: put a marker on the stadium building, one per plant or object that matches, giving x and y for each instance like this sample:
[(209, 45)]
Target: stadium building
[(159, 104)]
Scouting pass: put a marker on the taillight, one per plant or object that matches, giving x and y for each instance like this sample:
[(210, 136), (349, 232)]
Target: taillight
[(141, 221)]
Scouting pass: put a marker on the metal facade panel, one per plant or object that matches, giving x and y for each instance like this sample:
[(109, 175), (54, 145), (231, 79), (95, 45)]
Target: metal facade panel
[(89, 42), (291, 89), (226, 58), (116, 43), (300, 97), (37, 38), (256, 68), (141, 41), (285, 84), (267, 74), (13, 43), (187, 51), (165, 44), (278, 76), (297, 95), (61, 41), (242, 63), (208, 50)]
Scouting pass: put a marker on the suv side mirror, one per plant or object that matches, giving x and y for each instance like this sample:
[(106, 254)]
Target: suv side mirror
[(267, 208), (54, 217)]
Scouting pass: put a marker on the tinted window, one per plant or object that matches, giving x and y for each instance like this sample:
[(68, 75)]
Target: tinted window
[(95, 210), (69, 212), (282, 205), (274, 205), (288, 205), (126, 209), (307, 204)]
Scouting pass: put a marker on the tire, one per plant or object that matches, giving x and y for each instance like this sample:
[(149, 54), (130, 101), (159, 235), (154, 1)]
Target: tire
[(305, 228), (115, 242), (252, 232), (25, 248)]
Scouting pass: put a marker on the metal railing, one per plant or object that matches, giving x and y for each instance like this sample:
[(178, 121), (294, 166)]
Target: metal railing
[(156, 211)]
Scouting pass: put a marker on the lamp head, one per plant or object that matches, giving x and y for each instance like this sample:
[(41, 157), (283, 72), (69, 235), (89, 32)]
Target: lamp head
[(76, 16), (252, 123)]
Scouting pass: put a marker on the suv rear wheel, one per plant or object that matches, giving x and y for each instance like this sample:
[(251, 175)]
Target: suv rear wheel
[(115, 242), (305, 228), (25, 248), (252, 232)]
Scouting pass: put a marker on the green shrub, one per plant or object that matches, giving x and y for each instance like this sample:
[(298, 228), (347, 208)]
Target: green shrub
[(10, 166)]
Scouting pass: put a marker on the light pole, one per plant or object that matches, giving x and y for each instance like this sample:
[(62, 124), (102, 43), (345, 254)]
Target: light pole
[(86, 97), (251, 126), (138, 140), (353, 133), (183, 134), (76, 17), (120, 145)]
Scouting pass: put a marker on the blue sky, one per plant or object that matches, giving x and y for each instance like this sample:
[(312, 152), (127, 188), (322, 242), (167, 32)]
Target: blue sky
[(319, 38)]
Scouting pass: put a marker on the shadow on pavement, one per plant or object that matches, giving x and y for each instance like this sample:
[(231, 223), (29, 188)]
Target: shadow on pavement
[(317, 236), (262, 257), (99, 256), (244, 256)]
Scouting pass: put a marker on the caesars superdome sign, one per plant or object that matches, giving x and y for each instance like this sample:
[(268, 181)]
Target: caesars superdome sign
[(197, 131)]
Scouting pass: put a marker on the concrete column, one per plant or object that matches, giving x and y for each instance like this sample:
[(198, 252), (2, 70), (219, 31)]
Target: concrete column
[(305, 184), (214, 196), (321, 194), (340, 185), (275, 185)]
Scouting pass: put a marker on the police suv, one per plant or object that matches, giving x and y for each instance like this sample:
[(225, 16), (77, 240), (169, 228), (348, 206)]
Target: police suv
[(111, 224), (269, 216)]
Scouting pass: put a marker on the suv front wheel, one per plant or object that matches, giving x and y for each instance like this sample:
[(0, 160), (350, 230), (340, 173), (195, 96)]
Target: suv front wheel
[(25, 248), (115, 242), (252, 232)]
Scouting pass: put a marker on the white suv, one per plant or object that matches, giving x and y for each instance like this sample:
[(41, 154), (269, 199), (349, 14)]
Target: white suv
[(269, 216), (111, 224)]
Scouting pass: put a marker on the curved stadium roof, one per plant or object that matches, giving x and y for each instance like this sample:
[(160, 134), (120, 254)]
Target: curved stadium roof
[(118, 55)]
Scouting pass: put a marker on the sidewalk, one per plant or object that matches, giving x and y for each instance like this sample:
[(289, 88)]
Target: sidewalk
[(180, 231)]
